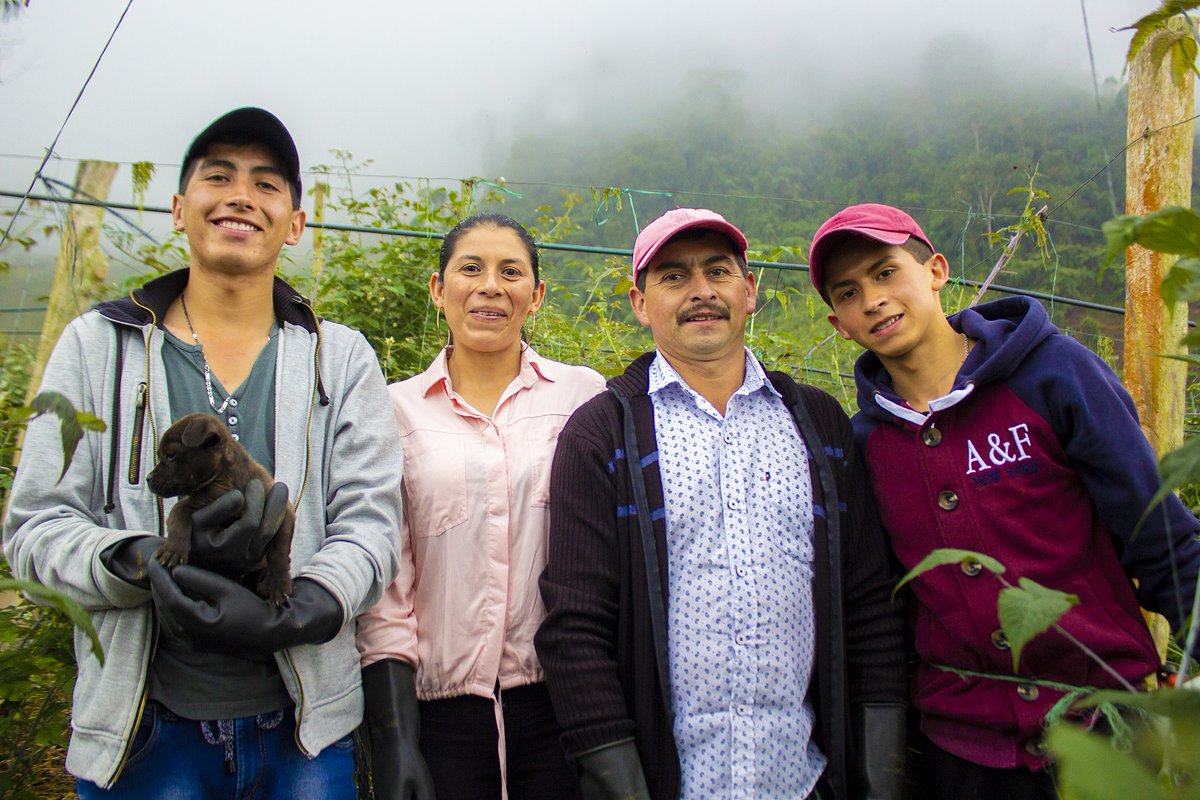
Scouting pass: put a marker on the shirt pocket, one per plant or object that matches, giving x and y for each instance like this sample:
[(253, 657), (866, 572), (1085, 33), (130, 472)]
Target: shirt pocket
[(792, 526), (435, 486), (542, 441)]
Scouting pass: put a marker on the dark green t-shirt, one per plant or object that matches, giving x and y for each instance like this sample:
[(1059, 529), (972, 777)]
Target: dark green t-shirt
[(209, 686)]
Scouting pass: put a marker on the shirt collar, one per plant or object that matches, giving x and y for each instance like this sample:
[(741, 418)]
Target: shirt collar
[(662, 375), (533, 369)]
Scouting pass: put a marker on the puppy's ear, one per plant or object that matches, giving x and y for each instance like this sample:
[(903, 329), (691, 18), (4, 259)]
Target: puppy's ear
[(200, 431)]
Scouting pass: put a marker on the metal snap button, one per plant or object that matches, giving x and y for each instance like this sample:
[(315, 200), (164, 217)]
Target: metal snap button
[(1027, 692), (1000, 642), (931, 436), (971, 568), (948, 500)]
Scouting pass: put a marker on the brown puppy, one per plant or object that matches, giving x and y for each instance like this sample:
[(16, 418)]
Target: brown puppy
[(199, 461)]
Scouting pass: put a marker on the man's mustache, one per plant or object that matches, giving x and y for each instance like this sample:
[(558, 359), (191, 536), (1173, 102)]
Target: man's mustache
[(703, 308)]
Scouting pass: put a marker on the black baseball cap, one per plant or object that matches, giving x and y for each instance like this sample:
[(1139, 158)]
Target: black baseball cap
[(251, 124)]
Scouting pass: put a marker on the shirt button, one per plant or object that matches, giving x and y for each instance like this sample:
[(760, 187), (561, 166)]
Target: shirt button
[(1036, 748), (948, 500), (971, 567), (740, 639), (743, 710), (1000, 642), (733, 505), (232, 420), (234, 436), (1027, 692), (740, 571), (931, 436), (233, 402)]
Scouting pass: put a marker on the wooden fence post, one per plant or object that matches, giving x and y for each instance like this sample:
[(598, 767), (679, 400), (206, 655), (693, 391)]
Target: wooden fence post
[(1158, 174), (82, 269)]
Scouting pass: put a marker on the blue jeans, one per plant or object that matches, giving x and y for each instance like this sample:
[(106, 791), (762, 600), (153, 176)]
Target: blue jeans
[(252, 757)]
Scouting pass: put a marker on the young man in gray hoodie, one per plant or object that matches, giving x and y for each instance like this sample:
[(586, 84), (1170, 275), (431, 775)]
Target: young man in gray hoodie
[(207, 689)]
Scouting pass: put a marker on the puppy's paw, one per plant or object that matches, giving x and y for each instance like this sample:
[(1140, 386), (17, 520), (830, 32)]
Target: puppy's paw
[(171, 556), (275, 588)]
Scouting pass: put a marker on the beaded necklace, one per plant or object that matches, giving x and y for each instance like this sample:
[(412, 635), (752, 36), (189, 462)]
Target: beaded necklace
[(212, 401)]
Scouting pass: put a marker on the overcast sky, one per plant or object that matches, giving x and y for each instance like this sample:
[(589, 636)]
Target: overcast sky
[(439, 88)]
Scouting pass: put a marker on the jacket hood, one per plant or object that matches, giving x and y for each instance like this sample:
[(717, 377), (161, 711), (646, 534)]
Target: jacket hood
[(1005, 331), (148, 304)]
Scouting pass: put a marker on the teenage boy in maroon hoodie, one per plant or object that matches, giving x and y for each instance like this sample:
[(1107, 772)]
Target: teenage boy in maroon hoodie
[(992, 431)]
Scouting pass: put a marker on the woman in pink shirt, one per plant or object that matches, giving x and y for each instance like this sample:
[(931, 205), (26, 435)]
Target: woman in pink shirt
[(478, 429)]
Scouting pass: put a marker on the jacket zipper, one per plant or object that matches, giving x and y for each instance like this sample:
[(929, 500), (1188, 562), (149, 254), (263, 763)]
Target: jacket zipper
[(299, 705), (135, 443), (137, 720), (318, 395)]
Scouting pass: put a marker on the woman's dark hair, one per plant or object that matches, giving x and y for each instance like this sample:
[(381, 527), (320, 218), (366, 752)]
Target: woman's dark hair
[(494, 221)]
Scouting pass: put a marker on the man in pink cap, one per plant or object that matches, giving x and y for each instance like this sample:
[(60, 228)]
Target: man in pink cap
[(991, 431), (718, 622)]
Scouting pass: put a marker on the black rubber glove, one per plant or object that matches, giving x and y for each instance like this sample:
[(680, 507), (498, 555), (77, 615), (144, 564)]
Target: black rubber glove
[(398, 770), (217, 615), (879, 751), (231, 534), (612, 772), (129, 559)]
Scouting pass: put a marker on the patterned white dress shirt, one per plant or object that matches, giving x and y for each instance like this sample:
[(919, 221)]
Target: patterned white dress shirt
[(741, 633)]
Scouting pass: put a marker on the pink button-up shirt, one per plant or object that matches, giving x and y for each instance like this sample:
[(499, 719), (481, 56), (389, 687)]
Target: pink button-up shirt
[(476, 490)]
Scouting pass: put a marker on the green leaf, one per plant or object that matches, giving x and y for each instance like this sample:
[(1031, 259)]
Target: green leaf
[(1177, 467), (90, 422), (70, 430), (1182, 282), (1156, 21), (1183, 59), (20, 414), (52, 597), (1089, 768), (1172, 230), (949, 555), (1121, 232), (1027, 610), (1173, 703), (1192, 340)]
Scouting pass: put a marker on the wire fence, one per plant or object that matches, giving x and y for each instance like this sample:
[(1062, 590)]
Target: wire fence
[(786, 299)]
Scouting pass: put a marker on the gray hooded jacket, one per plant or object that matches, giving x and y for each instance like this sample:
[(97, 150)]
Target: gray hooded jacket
[(335, 448)]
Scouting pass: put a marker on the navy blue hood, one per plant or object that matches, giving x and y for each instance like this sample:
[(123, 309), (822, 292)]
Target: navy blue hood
[(1005, 331)]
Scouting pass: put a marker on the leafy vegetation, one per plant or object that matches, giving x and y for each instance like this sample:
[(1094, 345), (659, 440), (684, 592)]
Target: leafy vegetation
[(37, 657)]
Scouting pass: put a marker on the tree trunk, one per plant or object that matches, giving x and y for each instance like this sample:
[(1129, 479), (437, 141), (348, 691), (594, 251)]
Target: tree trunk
[(1159, 170), (82, 270)]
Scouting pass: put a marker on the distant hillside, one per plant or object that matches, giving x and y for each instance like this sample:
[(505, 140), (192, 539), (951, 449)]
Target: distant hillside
[(950, 159)]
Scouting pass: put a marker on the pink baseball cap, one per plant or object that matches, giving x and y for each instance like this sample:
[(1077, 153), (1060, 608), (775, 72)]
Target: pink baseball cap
[(872, 220), (660, 231)]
